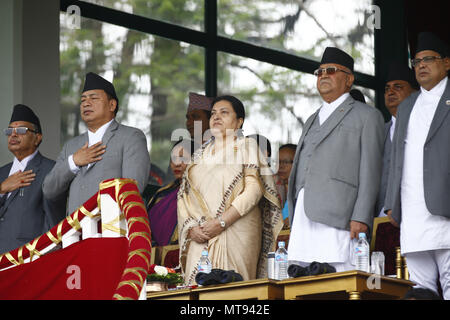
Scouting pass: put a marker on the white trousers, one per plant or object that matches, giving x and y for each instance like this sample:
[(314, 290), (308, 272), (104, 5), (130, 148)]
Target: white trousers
[(427, 267)]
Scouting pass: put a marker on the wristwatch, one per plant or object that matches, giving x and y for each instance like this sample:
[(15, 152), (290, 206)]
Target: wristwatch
[(222, 223)]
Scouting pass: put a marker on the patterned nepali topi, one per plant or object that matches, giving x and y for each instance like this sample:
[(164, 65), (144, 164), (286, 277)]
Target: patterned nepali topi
[(199, 101)]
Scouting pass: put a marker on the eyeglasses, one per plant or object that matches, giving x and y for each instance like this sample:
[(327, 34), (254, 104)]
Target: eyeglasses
[(426, 60), (396, 87), (18, 130), (330, 70)]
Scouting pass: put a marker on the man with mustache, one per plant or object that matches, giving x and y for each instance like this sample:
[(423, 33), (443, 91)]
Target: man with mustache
[(400, 83), (107, 150), (334, 180), (24, 213), (418, 194)]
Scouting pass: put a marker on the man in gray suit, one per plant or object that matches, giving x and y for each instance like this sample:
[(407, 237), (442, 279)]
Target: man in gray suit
[(107, 150), (418, 194), (24, 213), (400, 83), (334, 181)]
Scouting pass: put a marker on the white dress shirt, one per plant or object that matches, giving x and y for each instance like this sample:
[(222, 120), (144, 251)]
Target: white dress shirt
[(392, 128), (327, 108), (313, 241), (20, 165), (94, 137), (419, 229)]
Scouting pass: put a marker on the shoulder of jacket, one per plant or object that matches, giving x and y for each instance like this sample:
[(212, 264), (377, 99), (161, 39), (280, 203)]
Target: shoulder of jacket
[(127, 129)]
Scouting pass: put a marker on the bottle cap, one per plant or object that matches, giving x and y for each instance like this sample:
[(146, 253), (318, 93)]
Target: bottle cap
[(204, 252), (281, 243), (362, 234)]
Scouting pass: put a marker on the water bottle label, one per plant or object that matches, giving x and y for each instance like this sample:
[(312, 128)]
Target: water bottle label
[(360, 251), (280, 258), (205, 269)]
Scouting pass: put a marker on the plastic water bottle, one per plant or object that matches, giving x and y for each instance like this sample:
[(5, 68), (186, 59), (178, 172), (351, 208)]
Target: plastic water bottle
[(362, 252), (204, 265), (281, 262)]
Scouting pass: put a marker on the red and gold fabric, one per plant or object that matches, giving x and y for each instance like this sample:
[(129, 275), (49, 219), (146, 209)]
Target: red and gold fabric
[(99, 259)]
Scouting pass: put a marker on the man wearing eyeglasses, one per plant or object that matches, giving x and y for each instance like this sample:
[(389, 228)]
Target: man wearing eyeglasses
[(334, 180), (24, 213), (106, 150), (418, 194)]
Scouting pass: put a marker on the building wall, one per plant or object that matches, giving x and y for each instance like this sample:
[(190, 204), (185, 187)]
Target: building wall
[(29, 60)]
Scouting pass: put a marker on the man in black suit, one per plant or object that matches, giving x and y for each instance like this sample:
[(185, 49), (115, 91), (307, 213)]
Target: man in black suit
[(24, 213)]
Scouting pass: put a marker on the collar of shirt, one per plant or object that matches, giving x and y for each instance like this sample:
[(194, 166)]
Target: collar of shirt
[(392, 128), (21, 165), (436, 92), (327, 108), (97, 136)]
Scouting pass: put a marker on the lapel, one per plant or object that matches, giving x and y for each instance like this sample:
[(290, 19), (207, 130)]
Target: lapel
[(109, 133), (335, 118), (4, 200), (441, 112), (305, 130), (34, 165), (387, 130), (403, 119), (84, 138), (308, 125)]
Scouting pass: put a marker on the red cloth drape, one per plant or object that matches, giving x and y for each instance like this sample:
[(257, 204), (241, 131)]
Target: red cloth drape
[(97, 263)]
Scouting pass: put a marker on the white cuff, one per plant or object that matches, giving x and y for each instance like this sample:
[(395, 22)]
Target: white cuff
[(73, 167), (382, 214)]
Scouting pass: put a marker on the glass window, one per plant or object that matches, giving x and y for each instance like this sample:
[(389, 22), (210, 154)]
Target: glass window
[(304, 28), (186, 13), (278, 101), (152, 77)]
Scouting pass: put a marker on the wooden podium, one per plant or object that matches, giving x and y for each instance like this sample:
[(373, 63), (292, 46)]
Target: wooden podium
[(353, 285)]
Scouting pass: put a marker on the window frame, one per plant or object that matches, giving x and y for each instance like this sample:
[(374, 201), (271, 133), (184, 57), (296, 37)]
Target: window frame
[(212, 42)]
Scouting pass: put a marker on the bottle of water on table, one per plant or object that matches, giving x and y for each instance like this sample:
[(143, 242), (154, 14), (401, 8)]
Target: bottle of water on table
[(204, 265), (362, 252), (281, 262)]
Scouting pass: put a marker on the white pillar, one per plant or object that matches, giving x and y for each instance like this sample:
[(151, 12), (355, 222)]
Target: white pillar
[(89, 227), (113, 224), (29, 60)]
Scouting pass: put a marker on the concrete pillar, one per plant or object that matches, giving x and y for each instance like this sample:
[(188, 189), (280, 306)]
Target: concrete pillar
[(29, 60)]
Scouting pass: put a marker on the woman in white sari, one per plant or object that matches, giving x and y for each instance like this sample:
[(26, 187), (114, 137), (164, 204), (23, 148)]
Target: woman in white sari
[(227, 202)]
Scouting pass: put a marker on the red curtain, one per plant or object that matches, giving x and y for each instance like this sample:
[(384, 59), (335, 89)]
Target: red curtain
[(87, 270)]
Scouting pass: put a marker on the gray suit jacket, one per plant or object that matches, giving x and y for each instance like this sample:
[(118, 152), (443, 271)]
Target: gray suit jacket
[(342, 182), (385, 171), (436, 158), (126, 156), (23, 218)]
